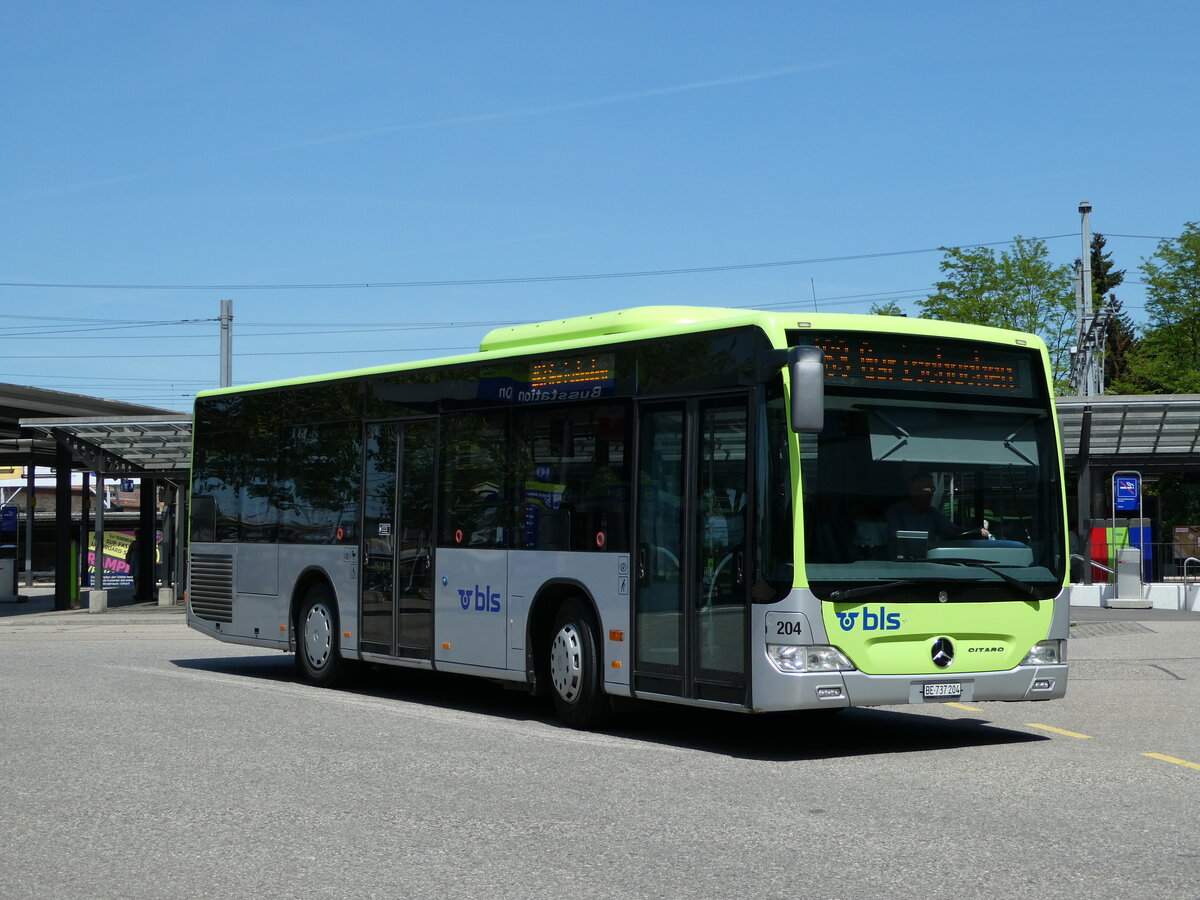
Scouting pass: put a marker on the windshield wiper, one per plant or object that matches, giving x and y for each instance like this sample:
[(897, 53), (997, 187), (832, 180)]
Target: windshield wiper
[(1016, 584), (867, 589)]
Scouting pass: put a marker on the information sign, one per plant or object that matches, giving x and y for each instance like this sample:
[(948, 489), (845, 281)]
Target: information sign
[(1127, 493)]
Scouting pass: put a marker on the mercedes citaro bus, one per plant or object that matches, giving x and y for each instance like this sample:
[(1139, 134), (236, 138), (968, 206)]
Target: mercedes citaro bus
[(722, 508)]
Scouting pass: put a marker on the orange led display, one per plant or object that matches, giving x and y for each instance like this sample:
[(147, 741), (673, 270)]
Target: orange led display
[(572, 371), (923, 363)]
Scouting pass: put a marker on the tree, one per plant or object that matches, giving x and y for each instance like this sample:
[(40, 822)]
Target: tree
[(1104, 279), (1120, 344), (1167, 360), (890, 308), (1020, 289), (1119, 336)]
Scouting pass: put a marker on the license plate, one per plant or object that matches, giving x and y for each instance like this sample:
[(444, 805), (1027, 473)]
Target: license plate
[(943, 689)]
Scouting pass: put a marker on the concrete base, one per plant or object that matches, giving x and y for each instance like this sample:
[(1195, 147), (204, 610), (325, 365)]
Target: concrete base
[(1156, 595), (97, 601), (166, 596), (11, 598), (1128, 604)]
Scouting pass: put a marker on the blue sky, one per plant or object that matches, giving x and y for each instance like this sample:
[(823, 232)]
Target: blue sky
[(229, 146)]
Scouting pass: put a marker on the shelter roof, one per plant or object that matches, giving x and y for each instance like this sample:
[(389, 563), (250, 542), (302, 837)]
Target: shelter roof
[(125, 445), (1154, 432), (29, 418)]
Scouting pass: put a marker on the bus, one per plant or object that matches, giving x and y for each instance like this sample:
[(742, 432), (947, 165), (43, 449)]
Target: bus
[(722, 508)]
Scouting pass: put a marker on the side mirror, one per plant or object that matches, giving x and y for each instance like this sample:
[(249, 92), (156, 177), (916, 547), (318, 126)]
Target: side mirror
[(806, 366)]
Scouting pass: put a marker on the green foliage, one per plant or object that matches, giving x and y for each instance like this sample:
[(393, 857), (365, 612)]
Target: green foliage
[(1018, 289), (1104, 278), (891, 308), (1120, 343), (1179, 502), (1167, 359)]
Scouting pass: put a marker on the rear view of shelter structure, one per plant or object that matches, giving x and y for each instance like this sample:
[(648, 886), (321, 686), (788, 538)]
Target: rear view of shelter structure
[(70, 433), (1138, 442)]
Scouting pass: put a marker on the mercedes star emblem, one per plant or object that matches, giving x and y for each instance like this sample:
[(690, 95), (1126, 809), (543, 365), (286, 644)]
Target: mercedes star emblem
[(943, 652)]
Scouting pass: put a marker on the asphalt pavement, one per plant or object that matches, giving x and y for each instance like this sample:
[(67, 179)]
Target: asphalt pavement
[(141, 759)]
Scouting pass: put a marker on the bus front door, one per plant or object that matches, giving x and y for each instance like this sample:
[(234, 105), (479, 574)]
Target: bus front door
[(692, 549), (397, 528)]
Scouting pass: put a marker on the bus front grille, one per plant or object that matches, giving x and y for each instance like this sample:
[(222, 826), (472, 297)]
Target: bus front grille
[(210, 594)]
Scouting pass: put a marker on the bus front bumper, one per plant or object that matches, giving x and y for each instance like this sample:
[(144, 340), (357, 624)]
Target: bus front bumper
[(1021, 683), (817, 690)]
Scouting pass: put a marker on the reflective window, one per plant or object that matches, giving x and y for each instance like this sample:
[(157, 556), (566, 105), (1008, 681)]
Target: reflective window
[(217, 469), (929, 493), (774, 571), (475, 488), (318, 487), (572, 477)]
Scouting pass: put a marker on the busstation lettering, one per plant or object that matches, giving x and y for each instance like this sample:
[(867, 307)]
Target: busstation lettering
[(541, 395)]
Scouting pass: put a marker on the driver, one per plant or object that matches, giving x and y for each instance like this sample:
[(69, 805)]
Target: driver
[(917, 513)]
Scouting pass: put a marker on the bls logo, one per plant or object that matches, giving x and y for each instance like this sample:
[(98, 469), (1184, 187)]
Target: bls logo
[(485, 600), (871, 621)]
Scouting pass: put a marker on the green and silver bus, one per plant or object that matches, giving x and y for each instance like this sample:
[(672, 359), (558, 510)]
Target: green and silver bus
[(722, 508)]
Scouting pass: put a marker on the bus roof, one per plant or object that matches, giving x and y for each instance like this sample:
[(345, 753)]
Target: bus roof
[(661, 321)]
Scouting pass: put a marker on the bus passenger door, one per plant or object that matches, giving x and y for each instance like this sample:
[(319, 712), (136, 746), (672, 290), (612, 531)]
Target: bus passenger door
[(397, 571), (692, 549)]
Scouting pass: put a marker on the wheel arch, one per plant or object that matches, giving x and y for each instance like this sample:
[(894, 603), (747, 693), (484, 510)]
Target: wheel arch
[(540, 624), (308, 579)]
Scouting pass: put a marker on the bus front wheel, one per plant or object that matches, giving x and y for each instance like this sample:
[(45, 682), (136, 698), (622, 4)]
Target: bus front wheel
[(317, 654), (575, 675)]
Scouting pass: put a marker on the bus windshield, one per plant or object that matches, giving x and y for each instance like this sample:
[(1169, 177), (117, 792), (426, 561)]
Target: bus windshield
[(938, 499)]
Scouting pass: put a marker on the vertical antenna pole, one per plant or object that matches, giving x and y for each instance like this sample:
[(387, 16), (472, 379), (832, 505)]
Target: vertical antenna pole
[(226, 343)]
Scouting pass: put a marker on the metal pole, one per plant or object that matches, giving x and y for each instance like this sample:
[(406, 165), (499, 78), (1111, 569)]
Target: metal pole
[(85, 512), (30, 507), (1085, 210), (1083, 496), (98, 565), (63, 570), (147, 534), (226, 343), (181, 542), (1086, 347)]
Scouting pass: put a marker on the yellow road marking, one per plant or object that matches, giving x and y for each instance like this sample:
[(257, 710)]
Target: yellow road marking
[(1074, 734), (964, 706), (1173, 759)]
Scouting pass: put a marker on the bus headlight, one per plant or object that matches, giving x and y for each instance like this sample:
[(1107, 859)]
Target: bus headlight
[(1044, 653), (808, 658)]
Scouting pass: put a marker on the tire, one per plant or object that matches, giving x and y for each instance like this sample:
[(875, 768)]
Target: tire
[(575, 667), (317, 654)]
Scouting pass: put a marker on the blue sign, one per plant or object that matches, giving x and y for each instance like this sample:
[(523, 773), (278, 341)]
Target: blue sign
[(1127, 493), (8, 519), (126, 485)]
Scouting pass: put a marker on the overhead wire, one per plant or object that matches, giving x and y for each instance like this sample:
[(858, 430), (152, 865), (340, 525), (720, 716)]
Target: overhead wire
[(526, 279)]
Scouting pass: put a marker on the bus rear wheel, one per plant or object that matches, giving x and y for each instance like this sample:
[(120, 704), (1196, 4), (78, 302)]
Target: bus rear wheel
[(317, 654), (575, 676)]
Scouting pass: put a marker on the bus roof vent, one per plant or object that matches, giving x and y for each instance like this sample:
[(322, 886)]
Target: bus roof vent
[(624, 321)]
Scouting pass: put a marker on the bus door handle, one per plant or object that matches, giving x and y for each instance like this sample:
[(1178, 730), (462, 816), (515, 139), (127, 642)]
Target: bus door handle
[(642, 553), (739, 568)]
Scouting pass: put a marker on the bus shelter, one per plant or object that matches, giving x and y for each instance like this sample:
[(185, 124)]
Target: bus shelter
[(73, 433), (1137, 440)]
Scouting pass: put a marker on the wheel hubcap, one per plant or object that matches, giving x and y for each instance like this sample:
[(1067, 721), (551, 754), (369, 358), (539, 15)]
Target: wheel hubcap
[(318, 636), (566, 663)]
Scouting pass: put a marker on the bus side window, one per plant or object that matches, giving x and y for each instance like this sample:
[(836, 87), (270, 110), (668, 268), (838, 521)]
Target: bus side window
[(572, 470), (475, 485)]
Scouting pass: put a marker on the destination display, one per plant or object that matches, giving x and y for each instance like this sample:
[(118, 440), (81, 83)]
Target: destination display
[(586, 376), (572, 371), (915, 363)]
